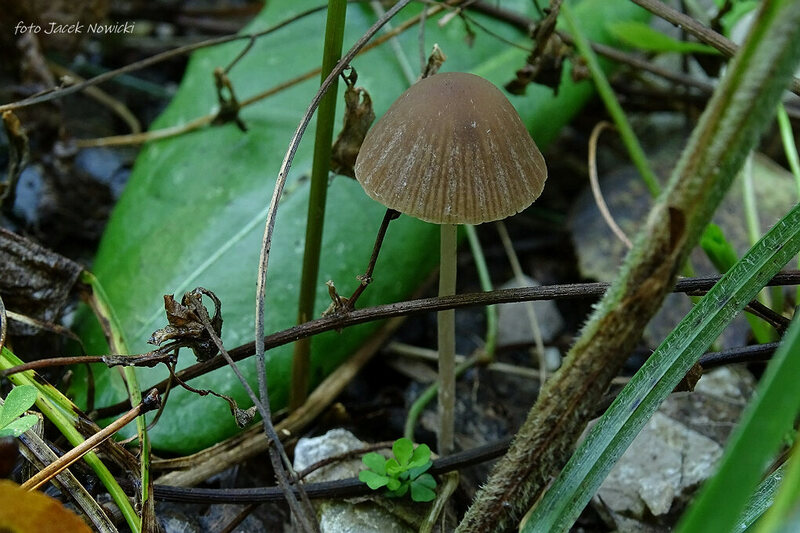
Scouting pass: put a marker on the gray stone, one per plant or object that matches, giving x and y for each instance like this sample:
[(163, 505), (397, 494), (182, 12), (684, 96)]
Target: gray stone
[(514, 323), (356, 515), (678, 448)]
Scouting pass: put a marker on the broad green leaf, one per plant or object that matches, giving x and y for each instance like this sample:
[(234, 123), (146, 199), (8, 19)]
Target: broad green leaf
[(375, 462), (416, 471), (640, 35), (422, 455), (19, 426), (397, 489), (422, 489), (373, 480), (403, 449), (193, 211), (19, 400), (393, 468)]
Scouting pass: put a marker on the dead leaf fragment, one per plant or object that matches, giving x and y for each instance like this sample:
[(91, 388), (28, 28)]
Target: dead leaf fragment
[(358, 116), (34, 511), (34, 281), (186, 323), (17, 157)]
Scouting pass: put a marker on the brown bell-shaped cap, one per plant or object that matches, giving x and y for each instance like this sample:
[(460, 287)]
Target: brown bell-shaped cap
[(451, 150)]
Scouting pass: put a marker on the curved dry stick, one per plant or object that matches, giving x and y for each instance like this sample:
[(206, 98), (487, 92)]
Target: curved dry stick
[(598, 195), (266, 243), (415, 307), (301, 507), (150, 402)]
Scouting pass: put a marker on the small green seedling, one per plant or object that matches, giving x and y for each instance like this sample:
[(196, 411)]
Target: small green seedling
[(19, 400), (403, 471)]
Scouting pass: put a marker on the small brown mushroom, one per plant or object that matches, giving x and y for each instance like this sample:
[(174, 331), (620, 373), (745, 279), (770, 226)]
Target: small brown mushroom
[(451, 150)]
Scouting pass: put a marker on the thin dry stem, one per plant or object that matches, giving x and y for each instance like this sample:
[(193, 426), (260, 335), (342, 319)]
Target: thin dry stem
[(516, 268), (596, 192), (53, 469)]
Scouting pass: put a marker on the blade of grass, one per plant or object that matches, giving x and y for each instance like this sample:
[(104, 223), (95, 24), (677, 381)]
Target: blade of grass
[(116, 342), (657, 378), (790, 148), (761, 499), (318, 192), (764, 424), (486, 285), (761, 330), (605, 91), (52, 405), (788, 493)]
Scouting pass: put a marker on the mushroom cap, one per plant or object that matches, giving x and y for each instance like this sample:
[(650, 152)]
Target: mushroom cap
[(451, 150)]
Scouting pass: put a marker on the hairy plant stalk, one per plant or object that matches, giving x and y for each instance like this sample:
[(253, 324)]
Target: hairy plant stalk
[(742, 106)]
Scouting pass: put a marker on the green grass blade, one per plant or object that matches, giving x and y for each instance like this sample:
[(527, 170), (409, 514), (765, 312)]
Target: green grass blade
[(318, 194), (764, 425), (642, 36), (609, 438), (57, 409), (790, 148), (120, 346), (785, 503), (629, 139), (761, 500)]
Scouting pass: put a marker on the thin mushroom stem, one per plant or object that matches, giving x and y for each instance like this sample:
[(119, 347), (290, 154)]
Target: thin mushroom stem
[(447, 340)]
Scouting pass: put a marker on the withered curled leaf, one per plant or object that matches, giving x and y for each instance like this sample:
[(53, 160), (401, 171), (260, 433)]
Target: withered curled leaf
[(34, 281), (358, 116), (186, 323)]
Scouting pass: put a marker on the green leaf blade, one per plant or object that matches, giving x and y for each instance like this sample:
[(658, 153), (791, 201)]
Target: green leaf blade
[(19, 400), (419, 470), (422, 489), (393, 468), (421, 456), (397, 489), (373, 480), (758, 437), (375, 462), (640, 35), (403, 450), (19, 426)]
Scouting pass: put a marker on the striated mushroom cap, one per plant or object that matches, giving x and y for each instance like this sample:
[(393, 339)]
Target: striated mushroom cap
[(452, 150)]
